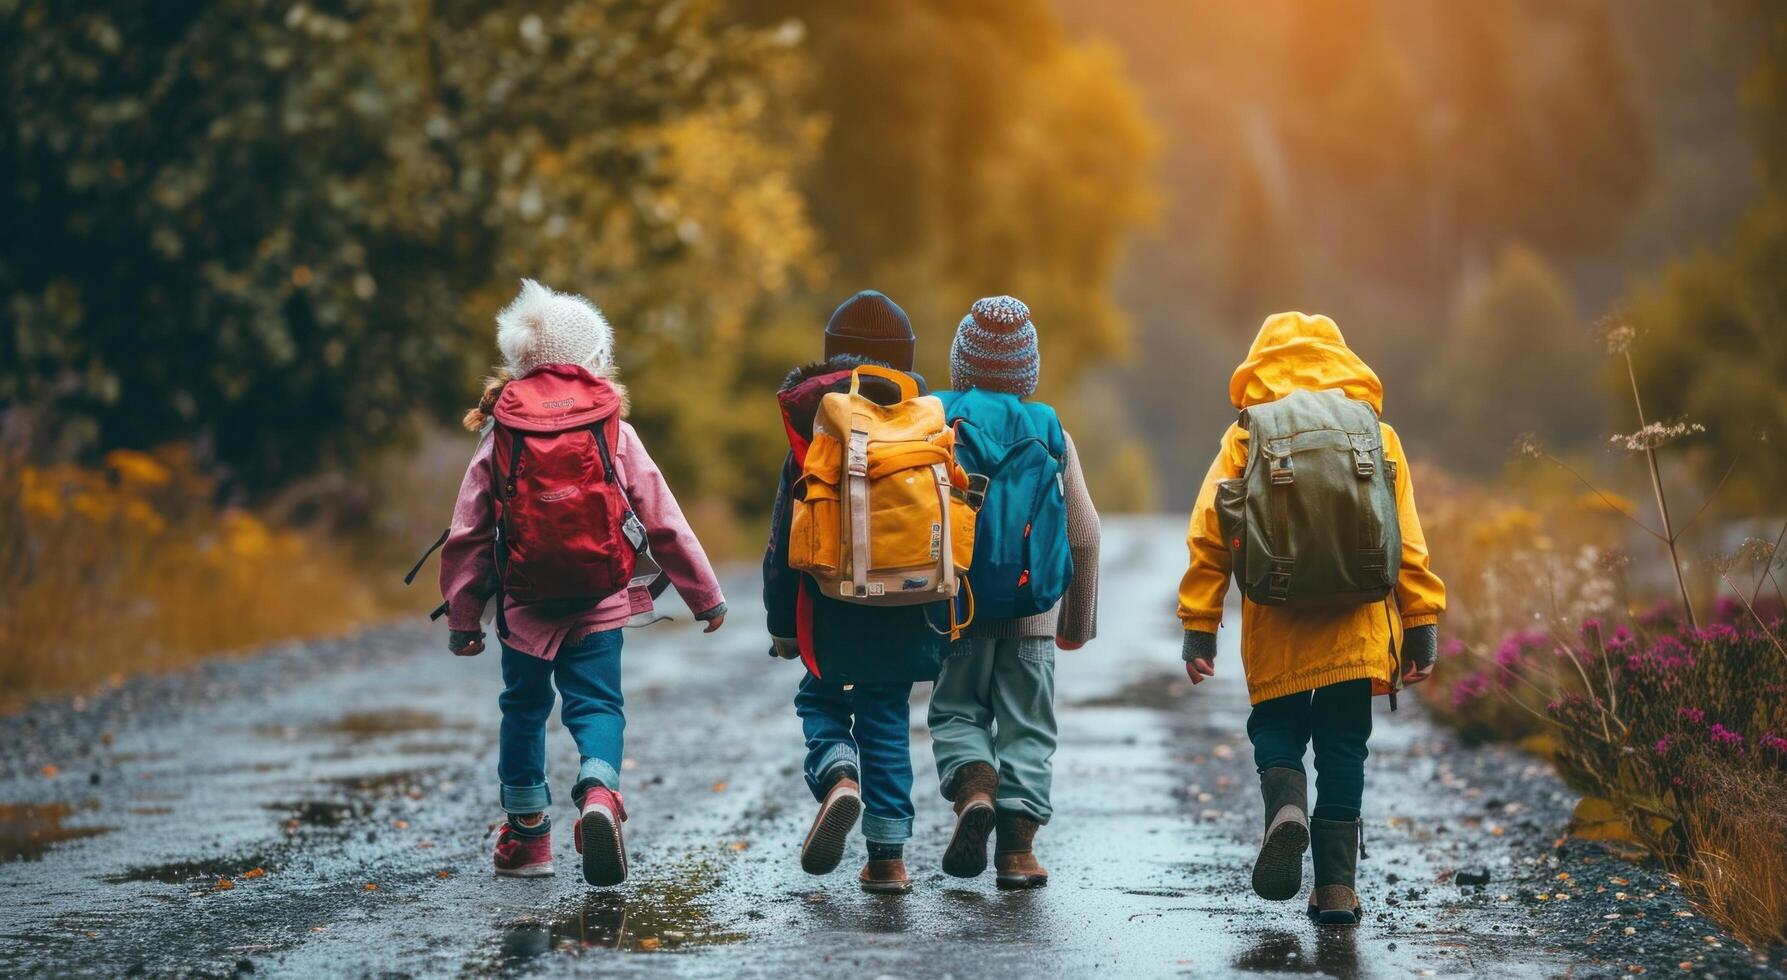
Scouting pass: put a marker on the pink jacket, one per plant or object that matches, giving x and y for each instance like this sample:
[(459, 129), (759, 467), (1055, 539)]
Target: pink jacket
[(468, 559)]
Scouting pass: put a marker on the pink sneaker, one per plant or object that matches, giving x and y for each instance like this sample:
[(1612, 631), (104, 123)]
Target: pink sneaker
[(523, 857), (598, 836)]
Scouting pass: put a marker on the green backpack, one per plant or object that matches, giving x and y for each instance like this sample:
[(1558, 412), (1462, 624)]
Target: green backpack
[(1312, 520)]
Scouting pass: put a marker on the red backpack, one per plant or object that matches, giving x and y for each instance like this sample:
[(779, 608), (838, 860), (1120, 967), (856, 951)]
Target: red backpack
[(565, 532)]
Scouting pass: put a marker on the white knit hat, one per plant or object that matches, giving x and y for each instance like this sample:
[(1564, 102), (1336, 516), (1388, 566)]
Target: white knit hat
[(545, 327)]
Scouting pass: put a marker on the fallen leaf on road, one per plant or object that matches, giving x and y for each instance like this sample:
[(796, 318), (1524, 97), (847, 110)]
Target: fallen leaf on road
[(444, 874), (653, 942), (254, 872), (425, 844), (401, 824), (371, 886), (719, 787), (51, 772), (223, 885), (741, 845)]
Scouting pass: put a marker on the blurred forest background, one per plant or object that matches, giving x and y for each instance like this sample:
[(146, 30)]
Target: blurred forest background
[(256, 247)]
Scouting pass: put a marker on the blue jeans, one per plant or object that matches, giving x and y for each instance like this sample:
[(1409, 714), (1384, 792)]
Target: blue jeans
[(587, 673), (1337, 718), (869, 727)]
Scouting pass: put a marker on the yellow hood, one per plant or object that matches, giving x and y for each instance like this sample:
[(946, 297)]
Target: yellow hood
[(1295, 350)]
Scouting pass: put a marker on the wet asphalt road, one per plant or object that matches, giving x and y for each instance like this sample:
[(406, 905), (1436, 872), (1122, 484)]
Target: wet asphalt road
[(325, 811)]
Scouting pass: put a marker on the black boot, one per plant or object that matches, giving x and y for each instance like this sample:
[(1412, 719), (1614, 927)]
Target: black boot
[(1278, 871), (1336, 846)]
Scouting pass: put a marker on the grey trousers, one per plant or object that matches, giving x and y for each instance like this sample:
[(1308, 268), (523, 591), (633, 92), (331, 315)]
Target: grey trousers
[(994, 702)]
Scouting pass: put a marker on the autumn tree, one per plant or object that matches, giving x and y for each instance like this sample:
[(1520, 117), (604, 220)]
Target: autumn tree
[(1517, 359), (975, 149), (1712, 344), (282, 229)]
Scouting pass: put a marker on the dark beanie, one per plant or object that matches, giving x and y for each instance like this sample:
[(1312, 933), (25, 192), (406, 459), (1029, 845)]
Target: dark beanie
[(871, 325)]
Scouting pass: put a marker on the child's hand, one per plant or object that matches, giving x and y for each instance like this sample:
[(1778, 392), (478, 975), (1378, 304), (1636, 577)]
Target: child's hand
[(1414, 673), (782, 646), (1199, 655), (715, 623), (465, 643)]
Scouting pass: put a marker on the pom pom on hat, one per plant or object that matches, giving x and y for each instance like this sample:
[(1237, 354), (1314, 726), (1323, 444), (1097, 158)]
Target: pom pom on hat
[(995, 348), (541, 326)]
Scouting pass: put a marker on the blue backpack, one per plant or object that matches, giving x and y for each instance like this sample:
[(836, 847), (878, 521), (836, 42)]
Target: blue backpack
[(1022, 565)]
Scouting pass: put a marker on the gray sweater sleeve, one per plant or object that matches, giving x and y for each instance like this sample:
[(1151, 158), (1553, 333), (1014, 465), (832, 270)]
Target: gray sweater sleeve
[(1079, 608)]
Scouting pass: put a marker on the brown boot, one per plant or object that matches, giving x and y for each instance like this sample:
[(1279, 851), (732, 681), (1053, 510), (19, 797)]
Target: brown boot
[(885, 877), (1336, 847), (824, 846), (976, 784), (1012, 857)]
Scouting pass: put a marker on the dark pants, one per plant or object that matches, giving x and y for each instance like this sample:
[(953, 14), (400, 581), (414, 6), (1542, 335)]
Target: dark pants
[(869, 727), (1337, 718)]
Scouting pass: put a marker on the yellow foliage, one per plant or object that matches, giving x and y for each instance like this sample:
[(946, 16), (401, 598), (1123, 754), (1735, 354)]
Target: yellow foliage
[(125, 568), (136, 468)]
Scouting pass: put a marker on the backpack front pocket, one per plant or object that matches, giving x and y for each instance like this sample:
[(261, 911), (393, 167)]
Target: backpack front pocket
[(814, 532)]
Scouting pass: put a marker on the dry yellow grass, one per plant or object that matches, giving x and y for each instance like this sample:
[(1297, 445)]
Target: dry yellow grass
[(1738, 867), (130, 568)]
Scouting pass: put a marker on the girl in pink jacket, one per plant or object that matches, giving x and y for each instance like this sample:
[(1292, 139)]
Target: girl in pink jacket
[(576, 646)]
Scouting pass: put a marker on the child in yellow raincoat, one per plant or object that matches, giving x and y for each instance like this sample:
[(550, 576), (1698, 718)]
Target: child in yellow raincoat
[(1311, 672)]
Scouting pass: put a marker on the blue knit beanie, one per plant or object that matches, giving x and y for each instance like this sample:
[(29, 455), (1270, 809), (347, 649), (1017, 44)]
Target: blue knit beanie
[(995, 348)]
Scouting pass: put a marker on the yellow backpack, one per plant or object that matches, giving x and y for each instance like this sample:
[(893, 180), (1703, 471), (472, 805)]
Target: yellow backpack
[(881, 516)]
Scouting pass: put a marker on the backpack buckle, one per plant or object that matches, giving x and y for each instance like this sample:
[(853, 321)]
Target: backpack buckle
[(1363, 464), (1282, 474), (1278, 585), (857, 458)]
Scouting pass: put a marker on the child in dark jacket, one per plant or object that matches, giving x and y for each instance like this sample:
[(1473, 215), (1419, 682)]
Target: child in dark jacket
[(577, 649), (854, 700), (992, 712), (1311, 672)]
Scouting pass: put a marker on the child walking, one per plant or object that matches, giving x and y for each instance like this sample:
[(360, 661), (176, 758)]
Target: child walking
[(1312, 669), (992, 711), (558, 501), (854, 700)]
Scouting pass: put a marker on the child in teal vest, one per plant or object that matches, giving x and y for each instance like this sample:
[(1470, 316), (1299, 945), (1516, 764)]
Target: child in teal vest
[(1035, 573)]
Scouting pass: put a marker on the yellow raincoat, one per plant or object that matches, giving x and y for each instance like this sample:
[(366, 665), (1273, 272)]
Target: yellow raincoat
[(1285, 650)]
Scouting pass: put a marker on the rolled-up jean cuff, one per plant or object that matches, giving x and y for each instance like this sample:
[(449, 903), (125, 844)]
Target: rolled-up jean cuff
[(594, 771), (840, 754), (526, 799), (1024, 808), (886, 830)]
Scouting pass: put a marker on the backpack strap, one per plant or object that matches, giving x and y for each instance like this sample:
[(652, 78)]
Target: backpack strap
[(856, 468), (417, 567), (517, 446), (600, 431)]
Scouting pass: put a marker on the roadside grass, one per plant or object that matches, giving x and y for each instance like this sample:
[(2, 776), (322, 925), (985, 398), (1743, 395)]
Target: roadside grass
[(131, 568), (1671, 718)]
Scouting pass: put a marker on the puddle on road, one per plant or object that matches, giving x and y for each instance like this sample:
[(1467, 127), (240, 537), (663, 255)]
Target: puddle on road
[(198, 869), (363, 726), (650, 916), (1160, 692), (1336, 953), (316, 813), (29, 830), (404, 782)]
